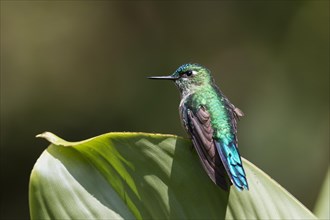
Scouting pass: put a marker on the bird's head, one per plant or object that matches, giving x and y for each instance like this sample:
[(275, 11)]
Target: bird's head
[(188, 77)]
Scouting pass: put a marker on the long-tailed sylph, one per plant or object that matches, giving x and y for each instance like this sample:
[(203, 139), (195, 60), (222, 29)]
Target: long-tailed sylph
[(211, 121)]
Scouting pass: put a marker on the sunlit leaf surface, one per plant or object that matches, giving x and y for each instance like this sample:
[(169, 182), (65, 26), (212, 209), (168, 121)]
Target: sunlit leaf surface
[(145, 176)]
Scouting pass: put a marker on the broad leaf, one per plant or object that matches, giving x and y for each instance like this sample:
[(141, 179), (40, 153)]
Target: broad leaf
[(322, 206), (145, 176)]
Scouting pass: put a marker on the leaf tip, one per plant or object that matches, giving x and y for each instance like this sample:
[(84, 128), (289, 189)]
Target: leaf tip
[(45, 135), (52, 138)]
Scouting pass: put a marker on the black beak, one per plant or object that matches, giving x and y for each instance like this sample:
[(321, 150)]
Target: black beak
[(163, 77)]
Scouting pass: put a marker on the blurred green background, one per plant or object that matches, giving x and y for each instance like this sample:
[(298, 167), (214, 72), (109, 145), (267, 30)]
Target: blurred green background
[(79, 68)]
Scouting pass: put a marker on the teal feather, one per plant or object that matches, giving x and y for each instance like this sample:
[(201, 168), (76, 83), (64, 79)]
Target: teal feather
[(232, 162)]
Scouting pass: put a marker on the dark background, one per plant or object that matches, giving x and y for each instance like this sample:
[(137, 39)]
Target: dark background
[(79, 68)]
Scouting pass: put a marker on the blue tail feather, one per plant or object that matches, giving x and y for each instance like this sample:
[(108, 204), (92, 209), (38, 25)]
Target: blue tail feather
[(231, 159), (233, 171)]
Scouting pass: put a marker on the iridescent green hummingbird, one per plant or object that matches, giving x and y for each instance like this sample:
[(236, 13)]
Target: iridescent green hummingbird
[(211, 121)]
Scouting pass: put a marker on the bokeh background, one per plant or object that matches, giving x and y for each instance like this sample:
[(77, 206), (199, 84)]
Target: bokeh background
[(79, 68)]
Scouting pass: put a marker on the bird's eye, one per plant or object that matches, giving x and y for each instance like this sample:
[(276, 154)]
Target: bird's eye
[(189, 73)]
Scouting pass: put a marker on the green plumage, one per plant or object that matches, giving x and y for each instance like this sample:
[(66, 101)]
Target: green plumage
[(208, 97), (211, 121)]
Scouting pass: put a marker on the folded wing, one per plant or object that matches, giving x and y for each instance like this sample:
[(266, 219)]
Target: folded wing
[(217, 156), (199, 127)]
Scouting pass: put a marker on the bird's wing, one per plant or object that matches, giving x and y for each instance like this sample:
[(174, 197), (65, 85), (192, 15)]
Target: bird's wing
[(217, 156), (199, 127), (234, 112)]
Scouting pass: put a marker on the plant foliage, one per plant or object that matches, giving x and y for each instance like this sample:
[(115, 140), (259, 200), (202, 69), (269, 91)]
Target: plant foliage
[(145, 176)]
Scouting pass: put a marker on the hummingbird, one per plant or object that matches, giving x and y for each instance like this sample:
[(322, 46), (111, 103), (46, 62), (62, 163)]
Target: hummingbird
[(210, 119)]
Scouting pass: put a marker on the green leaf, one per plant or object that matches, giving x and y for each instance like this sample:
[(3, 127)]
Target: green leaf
[(321, 209), (145, 176)]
